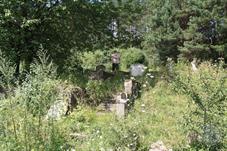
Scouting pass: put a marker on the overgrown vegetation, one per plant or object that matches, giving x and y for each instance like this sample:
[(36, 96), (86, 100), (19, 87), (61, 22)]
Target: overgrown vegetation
[(181, 103), (206, 113)]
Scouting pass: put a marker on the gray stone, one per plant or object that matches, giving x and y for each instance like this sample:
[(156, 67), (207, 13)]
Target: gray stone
[(78, 136), (137, 70), (112, 107), (120, 109), (121, 98), (109, 107), (193, 63), (57, 110), (68, 98), (159, 146), (128, 87)]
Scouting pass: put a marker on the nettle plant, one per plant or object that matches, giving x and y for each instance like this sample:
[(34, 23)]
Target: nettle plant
[(206, 114), (22, 114)]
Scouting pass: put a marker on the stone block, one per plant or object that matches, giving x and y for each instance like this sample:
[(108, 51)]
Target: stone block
[(121, 109), (128, 87)]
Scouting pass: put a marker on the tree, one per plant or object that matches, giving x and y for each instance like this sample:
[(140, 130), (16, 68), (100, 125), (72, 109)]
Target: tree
[(163, 33), (206, 34), (63, 27), (126, 22), (25, 25), (195, 28)]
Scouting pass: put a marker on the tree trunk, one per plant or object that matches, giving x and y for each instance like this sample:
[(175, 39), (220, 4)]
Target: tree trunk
[(17, 71)]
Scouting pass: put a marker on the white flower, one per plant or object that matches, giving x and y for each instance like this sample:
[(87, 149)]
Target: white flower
[(151, 76)]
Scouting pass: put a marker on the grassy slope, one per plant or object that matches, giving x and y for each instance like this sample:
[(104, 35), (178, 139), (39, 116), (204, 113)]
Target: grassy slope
[(160, 121), (162, 117)]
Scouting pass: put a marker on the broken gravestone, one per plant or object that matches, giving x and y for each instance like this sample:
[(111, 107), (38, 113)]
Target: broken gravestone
[(121, 102), (68, 99)]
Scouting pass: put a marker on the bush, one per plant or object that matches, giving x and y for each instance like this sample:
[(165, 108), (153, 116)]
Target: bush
[(22, 125), (7, 69), (101, 91), (89, 60), (206, 115), (131, 56), (38, 91)]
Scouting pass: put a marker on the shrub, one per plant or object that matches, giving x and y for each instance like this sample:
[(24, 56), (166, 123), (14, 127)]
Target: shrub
[(39, 89), (89, 60), (206, 115), (131, 56), (101, 91), (22, 122), (7, 69)]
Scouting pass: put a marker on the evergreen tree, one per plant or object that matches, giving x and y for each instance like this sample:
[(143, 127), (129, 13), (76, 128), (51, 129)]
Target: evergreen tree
[(195, 28), (163, 33), (205, 36)]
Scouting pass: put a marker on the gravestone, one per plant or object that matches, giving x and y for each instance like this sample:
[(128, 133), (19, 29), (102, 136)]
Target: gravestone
[(73, 97), (120, 109), (57, 110), (68, 99), (128, 87), (121, 105), (137, 70), (100, 71), (193, 63), (100, 68)]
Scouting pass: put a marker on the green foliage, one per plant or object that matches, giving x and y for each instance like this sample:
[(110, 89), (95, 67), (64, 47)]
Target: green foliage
[(163, 31), (39, 89), (7, 69), (81, 34), (185, 28), (23, 124), (205, 35), (22, 131), (64, 28), (89, 60), (101, 91), (206, 114), (156, 116), (26, 25), (131, 56)]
